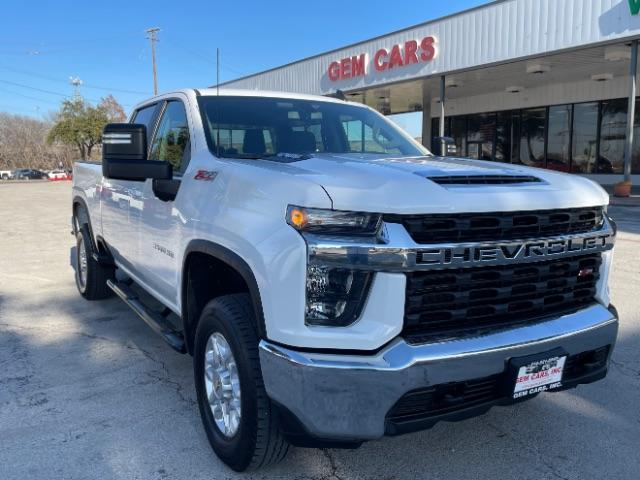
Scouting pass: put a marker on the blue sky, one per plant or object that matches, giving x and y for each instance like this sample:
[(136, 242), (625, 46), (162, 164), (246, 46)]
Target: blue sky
[(43, 43)]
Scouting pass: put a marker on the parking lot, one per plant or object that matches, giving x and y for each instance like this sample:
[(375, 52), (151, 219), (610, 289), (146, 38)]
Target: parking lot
[(88, 391)]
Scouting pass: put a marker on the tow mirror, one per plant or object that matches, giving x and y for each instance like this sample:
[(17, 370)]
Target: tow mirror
[(124, 154)]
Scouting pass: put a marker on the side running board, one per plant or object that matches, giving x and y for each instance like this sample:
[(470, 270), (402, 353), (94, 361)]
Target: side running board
[(157, 322)]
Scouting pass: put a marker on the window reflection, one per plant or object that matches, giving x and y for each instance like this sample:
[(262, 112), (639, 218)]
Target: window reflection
[(532, 137), (458, 130), (559, 137), (481, 131), (570, 135), (585, 136), (635, 156), (612, 136), (507, 132)]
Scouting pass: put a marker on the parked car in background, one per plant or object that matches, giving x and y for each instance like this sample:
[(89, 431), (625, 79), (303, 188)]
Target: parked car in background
[(5, 174), (59, 175), (28, 174)]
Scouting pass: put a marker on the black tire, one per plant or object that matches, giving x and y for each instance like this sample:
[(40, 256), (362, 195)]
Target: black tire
[(94, 285), (258, 441)]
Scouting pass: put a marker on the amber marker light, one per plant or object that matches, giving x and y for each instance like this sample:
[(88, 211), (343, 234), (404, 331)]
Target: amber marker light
[(297, 217)]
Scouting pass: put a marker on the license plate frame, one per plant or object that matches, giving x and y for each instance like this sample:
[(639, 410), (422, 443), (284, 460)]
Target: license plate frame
[(533, 374)]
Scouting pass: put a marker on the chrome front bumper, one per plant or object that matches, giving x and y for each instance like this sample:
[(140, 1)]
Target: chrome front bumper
[(347, 397)]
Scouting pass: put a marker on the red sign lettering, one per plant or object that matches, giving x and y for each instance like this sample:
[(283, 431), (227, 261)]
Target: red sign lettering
[(379, 60), (410, 53), (347, 68), (334, 71)]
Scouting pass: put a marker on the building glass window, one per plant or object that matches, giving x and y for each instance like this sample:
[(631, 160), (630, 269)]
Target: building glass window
[(458, 130), (635, 152), (585, 137), (507, 133), (580, 138), (532, 137), (613, 125), (559, 137), (435, 126), (481, 132)]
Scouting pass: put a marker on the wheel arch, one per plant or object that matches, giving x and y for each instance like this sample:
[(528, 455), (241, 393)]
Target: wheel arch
[(81, 211), (233, 266)]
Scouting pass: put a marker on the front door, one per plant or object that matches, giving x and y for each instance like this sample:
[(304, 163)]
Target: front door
[(159, 233), (122, 203)]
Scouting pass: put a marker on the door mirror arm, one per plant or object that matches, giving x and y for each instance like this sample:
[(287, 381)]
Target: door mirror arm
[(166, 190)]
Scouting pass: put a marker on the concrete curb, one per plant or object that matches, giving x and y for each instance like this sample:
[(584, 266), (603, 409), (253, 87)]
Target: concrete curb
[(631, 201)]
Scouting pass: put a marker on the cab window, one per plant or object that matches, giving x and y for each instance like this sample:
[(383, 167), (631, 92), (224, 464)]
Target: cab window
[(146, 117), (171, 142)]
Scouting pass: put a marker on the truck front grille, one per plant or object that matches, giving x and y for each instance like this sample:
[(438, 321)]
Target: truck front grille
[(498, 226), (459, 302)]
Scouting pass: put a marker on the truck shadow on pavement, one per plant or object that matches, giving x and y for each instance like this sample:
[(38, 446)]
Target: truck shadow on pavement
[(89, 386)]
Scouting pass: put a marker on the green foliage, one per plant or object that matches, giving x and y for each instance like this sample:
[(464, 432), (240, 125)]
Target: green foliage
[(79, 124)]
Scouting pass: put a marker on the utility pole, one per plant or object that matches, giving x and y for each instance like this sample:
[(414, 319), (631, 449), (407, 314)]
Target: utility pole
[(153, 38)]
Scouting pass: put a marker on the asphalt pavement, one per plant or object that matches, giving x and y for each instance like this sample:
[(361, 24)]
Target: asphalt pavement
[(87, 391)]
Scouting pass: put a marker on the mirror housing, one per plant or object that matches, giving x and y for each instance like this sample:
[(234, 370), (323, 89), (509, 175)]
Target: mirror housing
[(124, 154)]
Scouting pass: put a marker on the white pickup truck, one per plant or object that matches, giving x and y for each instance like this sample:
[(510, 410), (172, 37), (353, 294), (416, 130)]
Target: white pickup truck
[(333, 280)]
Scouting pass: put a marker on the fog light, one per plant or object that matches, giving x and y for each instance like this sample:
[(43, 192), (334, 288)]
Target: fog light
[(335, 296)]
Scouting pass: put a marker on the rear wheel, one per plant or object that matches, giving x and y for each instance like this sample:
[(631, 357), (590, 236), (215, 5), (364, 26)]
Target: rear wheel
[(91, 277), (237, 414)]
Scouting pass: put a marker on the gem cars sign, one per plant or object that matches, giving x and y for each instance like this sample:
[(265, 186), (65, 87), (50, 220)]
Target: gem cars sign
[(398, 56)]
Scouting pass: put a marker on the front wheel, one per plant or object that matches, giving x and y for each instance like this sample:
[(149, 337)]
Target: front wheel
[(237, 414)]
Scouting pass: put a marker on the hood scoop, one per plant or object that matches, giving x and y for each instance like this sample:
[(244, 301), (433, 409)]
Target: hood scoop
[(483, 179)]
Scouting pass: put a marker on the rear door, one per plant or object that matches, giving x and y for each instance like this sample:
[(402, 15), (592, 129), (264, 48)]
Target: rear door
[(122, 203)]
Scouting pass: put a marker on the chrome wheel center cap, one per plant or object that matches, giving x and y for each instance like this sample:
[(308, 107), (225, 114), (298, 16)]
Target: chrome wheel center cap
[(222, 384)]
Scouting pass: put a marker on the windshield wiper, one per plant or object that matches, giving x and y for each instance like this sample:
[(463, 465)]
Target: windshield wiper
[(242, 156), (287, 157)]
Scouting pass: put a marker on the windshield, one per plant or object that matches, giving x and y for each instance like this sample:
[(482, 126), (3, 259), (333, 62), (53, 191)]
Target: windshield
[(262, 127)]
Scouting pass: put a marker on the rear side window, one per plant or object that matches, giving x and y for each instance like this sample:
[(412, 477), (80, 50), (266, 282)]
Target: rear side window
[(146, 116)]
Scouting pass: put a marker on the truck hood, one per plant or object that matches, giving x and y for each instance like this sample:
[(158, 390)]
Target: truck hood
[(406, 184)]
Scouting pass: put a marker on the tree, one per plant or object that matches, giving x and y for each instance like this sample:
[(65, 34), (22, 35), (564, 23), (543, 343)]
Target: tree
[(79, 124), (114, 110), (23, 144)]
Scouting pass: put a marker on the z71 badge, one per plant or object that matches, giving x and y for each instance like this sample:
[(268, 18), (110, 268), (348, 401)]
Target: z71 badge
[(206, 175)]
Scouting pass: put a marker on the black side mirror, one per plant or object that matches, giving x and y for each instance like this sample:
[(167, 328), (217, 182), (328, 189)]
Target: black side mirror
[(124, 154)]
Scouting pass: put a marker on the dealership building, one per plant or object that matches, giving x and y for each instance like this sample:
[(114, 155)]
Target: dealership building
[(546, 83)]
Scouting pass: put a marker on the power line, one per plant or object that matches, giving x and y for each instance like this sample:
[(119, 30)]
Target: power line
[(9, 109), (209, 60), (58, 80), (16, 84), (28, 96), (50, 92), (78, 44)]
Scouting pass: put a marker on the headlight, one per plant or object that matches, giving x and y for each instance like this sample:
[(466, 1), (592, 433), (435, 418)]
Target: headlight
[(333, 222), (335, 296)]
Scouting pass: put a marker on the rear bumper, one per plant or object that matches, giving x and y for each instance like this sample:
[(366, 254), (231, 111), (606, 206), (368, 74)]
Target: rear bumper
[(348, 397)]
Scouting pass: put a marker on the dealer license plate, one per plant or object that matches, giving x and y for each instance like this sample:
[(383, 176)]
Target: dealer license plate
[(539, 376)]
